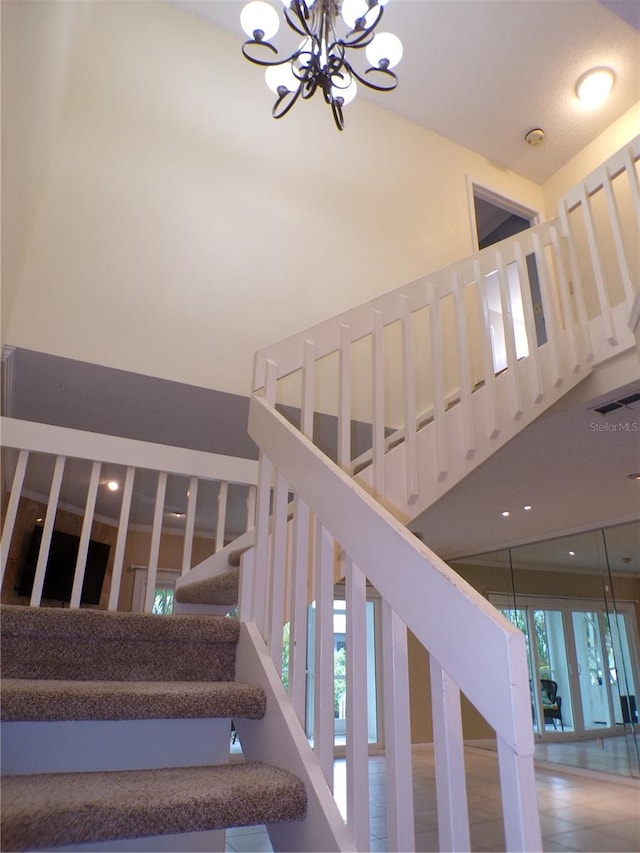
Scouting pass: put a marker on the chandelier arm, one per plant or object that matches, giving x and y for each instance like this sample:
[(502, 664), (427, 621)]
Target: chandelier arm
[(276, 112), (355, 38), (376, 86), (260, 44), (338, 115), (303, 29)]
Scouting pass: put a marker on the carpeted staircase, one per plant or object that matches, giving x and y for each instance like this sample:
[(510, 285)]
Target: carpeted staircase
[(119, 676)]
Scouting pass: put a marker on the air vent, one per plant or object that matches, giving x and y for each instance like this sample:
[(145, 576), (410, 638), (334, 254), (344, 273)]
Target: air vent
[(632, 398), (620, 403)]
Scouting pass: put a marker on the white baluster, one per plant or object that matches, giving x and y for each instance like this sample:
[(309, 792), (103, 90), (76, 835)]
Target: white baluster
[(548, 310), (563, 287), (299, 596), (189, 525), (397, 726), (448, 746), (598, 272), (357, 728), (12, 510), (519, 799), (47, 531), (323, 718), (344, 399), (223, 492), (616, 229), (530, 323), (409, 396), (85, 535), (464, 362), (377, 378), (251, 507), (634, 184), (515, 392), (493, 428), (154, 550), (121, 539), (275, 599), (578, 287), (441, 464), (263, 510), (308, 389)]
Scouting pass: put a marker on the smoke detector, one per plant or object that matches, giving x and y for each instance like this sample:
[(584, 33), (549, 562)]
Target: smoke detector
[(534, 137)]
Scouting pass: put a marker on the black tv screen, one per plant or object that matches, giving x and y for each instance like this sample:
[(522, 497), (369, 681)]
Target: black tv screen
[(58, 579)]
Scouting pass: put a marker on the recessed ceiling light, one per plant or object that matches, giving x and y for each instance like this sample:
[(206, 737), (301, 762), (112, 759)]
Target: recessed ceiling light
[(113, 485), (634, 476), (593, 87), (572, 553), (527, 507), (178, 514), (506, 513)]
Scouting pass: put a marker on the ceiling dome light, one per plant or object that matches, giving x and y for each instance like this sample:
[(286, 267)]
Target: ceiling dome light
[(281, 75), (385, 51), (593, 87), (113, 485), (353, 10), (259, 20)]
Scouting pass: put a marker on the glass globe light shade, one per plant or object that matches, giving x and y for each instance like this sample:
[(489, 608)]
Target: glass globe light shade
[(281, 75), (259, 16), (352, 10), (593, 87), (344, 90), (385, 46)]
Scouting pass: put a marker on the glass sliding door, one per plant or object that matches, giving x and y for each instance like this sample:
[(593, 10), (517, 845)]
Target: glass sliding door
[(340, 694), (553, 670), (592, 671)]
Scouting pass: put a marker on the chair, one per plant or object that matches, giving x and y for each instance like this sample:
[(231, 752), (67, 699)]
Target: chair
[(551, 702)]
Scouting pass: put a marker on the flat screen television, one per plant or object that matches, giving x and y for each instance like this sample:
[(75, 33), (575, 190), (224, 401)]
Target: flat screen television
[(61, 563)]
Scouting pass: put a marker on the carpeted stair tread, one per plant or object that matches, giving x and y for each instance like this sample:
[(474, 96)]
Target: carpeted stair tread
[(57, 809), (113, 625), (220, 589), (38, 700), (93, 645)]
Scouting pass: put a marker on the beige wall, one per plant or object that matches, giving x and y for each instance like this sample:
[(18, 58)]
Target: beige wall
[(492, 579), (37, 39), (179, 218)]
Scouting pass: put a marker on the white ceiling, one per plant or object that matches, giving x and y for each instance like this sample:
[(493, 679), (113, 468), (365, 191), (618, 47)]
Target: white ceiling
[(515, 61)]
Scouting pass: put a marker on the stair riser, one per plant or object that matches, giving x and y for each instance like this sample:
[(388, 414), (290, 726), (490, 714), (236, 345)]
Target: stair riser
[(186, 842), (49, 747)]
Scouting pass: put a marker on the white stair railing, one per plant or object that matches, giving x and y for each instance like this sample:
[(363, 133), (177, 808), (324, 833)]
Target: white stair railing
[(437, 375), (338, 528), (532, 313), (64, 469)]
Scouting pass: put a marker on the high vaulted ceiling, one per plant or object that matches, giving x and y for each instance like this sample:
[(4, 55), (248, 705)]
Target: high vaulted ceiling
[(484, 72)]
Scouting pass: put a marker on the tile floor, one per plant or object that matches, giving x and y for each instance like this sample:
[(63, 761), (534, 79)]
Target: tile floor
[(578, 813)]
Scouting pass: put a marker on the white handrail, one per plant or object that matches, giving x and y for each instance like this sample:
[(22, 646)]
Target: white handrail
[(426, 594)]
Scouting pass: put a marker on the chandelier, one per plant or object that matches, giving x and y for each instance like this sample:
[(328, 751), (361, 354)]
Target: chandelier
[(322, 59)]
